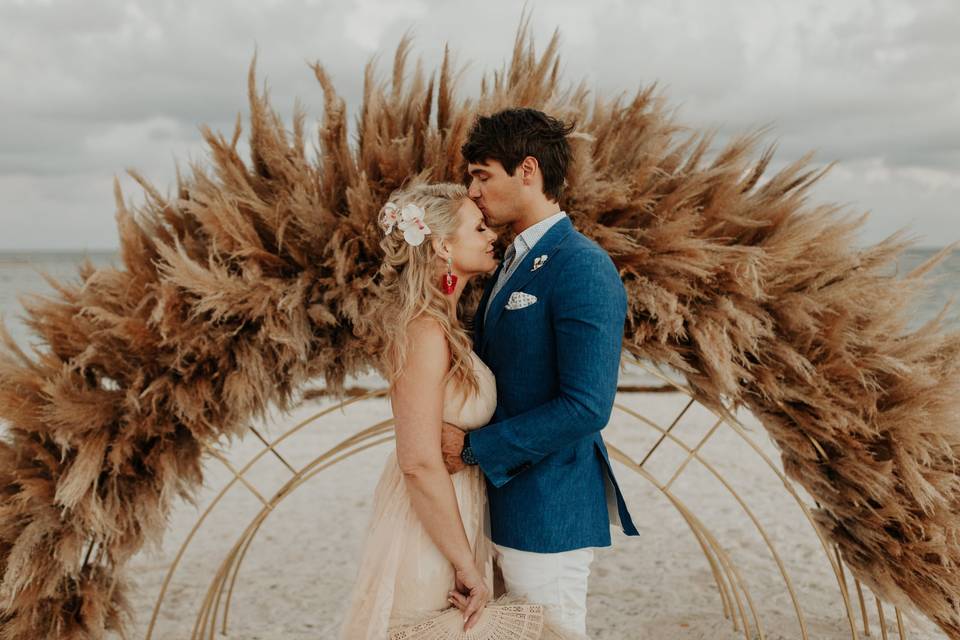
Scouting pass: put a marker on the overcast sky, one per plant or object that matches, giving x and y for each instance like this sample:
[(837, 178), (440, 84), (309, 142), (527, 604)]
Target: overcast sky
[(91, 88)]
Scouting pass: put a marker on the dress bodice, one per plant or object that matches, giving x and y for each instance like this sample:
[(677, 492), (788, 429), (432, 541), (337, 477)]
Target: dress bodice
[(466, 409)]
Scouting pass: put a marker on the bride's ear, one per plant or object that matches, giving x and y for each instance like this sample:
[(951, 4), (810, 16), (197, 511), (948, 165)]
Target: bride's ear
[(441, 248)]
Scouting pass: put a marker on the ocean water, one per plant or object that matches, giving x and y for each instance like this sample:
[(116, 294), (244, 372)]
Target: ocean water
[(20, 274)]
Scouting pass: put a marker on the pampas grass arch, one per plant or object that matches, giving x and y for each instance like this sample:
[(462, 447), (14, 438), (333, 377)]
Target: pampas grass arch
[(250, 282)]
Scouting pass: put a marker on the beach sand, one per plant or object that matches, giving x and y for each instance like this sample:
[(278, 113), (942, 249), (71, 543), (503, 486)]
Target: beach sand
[(297, 574)]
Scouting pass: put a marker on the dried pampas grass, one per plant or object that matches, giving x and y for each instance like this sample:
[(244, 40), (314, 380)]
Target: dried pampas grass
[(253, 278)]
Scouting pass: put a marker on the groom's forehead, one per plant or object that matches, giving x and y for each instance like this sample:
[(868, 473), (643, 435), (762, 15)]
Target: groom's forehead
[(485, 166), (476, 168)]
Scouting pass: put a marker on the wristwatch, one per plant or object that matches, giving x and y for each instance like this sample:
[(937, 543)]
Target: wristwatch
[(467, 453)]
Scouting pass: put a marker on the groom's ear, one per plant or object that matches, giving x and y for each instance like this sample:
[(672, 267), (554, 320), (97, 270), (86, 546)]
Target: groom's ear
[(528, 168)]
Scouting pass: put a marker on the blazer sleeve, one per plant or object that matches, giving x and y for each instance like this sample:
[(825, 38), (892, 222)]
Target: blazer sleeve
[(588, 309)]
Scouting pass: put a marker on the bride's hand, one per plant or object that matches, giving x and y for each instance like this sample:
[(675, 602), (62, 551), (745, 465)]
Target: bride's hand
[(471, 595)]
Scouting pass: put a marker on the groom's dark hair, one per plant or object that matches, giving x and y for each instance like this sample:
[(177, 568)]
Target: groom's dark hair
[(511, 135)]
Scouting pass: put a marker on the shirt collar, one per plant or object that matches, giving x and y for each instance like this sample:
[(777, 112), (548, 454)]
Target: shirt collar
[(530, 236)]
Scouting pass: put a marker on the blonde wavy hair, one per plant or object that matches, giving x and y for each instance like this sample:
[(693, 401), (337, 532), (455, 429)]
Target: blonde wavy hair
[(409, 286)]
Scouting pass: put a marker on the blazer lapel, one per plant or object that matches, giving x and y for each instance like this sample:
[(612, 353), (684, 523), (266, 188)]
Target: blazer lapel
[(547, 245)]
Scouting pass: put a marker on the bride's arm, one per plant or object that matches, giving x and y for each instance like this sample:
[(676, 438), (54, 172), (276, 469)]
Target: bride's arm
[(417, 400)]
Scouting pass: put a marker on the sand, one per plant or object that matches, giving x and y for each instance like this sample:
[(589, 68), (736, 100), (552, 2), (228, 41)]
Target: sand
[(297, 574)]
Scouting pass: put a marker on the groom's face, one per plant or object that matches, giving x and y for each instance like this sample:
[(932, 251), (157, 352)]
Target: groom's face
[(496, 192)]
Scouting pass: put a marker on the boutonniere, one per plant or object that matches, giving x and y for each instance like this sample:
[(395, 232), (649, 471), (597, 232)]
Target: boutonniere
[(538, 262)]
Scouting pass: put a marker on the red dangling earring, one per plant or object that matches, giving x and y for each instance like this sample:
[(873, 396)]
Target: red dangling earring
[(448, 281)]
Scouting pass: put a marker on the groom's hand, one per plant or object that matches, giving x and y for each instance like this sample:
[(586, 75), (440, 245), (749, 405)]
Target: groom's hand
[(451, 444)]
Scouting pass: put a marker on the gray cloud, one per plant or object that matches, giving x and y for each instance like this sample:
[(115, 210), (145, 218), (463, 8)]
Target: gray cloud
[(104, 85)]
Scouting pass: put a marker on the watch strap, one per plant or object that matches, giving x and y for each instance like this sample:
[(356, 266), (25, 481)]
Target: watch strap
[(466, 454)]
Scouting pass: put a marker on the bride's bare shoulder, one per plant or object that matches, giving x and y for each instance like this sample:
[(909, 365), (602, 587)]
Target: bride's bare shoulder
[(424, 327), (426, 336)]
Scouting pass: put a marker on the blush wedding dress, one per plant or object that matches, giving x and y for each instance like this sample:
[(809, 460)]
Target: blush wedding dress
[(403, 578)]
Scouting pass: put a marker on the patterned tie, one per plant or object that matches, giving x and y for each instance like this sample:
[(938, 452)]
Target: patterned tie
[(508, 257)]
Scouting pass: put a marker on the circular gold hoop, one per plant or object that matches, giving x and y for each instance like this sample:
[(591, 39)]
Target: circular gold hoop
[(736, 601)]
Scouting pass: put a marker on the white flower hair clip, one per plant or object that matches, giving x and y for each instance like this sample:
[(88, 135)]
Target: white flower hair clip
[(409, 219)]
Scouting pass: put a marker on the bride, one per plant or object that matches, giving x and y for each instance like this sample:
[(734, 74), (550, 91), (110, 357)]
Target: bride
[(426, 549)]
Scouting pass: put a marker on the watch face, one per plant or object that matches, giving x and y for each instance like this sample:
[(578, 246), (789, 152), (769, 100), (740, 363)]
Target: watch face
[(467, 455)]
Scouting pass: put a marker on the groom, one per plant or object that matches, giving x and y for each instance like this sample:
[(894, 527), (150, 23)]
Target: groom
[(550, 327)]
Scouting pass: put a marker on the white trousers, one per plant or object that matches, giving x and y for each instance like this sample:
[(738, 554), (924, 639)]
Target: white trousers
[(556, 580)]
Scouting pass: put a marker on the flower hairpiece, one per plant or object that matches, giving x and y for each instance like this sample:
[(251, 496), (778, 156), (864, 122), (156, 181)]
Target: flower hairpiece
[(409, 219)]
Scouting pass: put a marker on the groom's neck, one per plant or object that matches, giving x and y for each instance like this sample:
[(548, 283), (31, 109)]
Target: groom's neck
[(535, 213)]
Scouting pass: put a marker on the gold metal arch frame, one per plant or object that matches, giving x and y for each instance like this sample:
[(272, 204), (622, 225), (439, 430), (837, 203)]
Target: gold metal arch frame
[(737, 603)]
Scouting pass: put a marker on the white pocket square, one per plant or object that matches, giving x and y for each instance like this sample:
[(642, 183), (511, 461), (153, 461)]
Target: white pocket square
[(519, 300)]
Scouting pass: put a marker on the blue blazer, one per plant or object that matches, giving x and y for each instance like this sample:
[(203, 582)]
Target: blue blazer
[(556, 363)]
